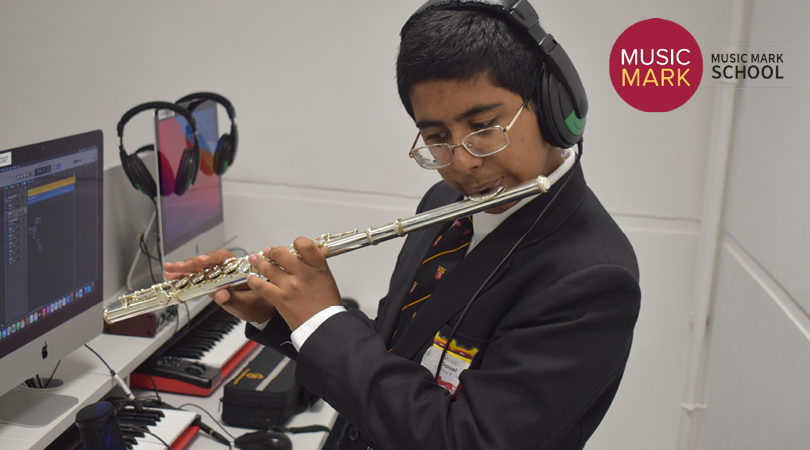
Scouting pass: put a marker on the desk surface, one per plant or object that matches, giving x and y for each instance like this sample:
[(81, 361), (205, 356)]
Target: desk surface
[(87, 379)]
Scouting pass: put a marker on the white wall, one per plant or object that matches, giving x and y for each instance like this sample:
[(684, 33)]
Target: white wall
[(323, 138), (759, 353)]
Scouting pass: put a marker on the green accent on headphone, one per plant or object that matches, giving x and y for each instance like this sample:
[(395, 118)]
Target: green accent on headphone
[(574, 124)]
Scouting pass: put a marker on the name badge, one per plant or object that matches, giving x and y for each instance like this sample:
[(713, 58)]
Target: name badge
[(456, 360)]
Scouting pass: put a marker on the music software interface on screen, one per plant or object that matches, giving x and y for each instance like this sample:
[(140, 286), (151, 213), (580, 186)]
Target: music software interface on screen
[(49, 238)]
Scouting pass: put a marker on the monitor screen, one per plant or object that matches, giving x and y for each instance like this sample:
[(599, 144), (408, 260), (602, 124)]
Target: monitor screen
[(192, 223), (51, 275)]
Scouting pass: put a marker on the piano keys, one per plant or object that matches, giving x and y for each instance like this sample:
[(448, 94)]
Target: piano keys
[(199, 358), (213, 343), (176, 427)]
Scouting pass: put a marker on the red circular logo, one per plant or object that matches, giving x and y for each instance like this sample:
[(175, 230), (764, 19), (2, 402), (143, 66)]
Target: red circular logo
[(656, 65)]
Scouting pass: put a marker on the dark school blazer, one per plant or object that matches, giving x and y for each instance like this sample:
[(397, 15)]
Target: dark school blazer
[(552, 329)]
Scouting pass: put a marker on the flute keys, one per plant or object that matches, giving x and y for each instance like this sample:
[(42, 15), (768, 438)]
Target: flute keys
[(215, 273), (231, 266), (198, 278), (181, 283)]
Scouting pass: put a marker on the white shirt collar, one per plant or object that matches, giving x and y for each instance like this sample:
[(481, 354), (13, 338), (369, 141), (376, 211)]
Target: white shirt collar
[(483, 222)]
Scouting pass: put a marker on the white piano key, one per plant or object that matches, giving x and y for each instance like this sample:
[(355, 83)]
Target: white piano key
[(169, 428), (225, 348)]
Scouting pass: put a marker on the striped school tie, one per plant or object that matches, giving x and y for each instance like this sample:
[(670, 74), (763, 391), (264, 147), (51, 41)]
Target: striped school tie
[(447, 251)]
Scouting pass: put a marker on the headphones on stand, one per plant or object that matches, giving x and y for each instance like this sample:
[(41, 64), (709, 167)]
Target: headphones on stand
[(135, 169), (560, 96), (225, 152)]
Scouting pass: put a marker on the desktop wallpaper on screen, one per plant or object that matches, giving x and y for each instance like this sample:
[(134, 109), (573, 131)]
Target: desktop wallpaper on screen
[(200, 208)]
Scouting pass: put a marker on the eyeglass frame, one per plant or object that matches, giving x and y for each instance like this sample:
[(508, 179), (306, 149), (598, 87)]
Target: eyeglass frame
[(462, 144)]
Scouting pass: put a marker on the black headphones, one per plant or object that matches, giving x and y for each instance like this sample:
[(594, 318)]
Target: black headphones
[(135, 169), (561, 96), (225, 152)]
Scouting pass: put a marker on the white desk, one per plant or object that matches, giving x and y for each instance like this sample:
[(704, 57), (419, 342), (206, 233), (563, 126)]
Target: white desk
[(88, 379)]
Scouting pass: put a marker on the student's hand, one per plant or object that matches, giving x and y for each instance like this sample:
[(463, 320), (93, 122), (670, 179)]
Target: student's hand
[(239, 301), (298, 287), (177, 270)]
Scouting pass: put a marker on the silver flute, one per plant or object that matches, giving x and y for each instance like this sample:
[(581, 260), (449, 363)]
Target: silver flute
[(234, 271)]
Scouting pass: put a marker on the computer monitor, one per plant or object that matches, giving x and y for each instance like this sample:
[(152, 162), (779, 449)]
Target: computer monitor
[(51, 275), (190, 224)]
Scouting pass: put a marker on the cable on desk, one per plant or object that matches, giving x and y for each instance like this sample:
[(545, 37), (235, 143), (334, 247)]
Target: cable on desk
[(209, 415), (52, 374), (203, 427), (173, 340), (154, 385), (130, 396), (145, 248)]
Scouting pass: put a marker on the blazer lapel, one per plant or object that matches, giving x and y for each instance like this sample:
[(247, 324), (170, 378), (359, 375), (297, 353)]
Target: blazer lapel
[(461, 284)]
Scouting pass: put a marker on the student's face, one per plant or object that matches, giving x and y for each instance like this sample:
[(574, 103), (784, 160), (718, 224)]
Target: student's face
[(448, 110)]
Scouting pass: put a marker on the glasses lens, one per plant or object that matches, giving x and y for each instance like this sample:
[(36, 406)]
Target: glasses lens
[(433, 156), (486, 142)]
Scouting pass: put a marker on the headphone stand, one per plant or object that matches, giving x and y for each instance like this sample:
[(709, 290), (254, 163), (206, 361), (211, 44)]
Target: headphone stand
[(147, 231)]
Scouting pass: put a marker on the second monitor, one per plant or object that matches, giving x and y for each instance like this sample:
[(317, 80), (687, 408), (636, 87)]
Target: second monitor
[(191, 224)]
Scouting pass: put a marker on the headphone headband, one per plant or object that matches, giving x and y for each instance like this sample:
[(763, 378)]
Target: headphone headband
[(156, 105), (521, 13), (212, 96)]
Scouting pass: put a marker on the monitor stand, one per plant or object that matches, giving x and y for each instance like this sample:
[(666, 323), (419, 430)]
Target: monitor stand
[(34, 408)]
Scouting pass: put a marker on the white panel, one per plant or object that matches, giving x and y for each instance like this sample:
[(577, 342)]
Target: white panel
[(644, 414), (767, 209), (759, 361)]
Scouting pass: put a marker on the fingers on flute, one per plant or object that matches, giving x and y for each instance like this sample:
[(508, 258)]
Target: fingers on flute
[(198, 263), (284, 258), (175, 275), (262, 287), (247, 305), (271, 271), (221, 296), (309, 251)]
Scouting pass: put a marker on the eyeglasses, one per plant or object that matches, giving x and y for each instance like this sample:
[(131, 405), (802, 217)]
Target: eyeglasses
[(485, 142)]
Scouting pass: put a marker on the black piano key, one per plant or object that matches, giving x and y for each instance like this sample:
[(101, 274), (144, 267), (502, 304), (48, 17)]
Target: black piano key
[(198, 343), (130, 441), (154, 415), (195, 346), (129, 409), (145, 422), (210, 335), (181, 353), (132, 432)]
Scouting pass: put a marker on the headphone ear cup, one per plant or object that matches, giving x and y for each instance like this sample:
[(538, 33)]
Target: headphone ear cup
[(222, 155), (226, 151), (138, 174), (545, 113), (187, 171), (555, 106)]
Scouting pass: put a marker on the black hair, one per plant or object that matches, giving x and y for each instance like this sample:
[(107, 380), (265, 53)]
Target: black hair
[(462, 44)]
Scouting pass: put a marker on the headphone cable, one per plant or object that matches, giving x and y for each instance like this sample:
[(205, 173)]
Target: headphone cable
[(503, 260)]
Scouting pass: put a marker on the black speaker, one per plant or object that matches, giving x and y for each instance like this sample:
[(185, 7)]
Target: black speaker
[(98, 426)]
